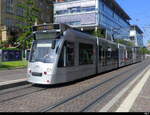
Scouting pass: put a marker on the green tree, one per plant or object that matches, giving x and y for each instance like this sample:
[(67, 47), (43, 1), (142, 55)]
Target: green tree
[(122, 41), (148, 41), (144, 50), (98, 33), (30, 16)]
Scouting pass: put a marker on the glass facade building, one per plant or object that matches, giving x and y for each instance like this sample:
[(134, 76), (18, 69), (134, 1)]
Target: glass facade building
[(104, 14)]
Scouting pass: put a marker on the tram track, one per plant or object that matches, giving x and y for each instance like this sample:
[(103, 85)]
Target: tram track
[(62, 102), (27, 90), (6, 91), (89, 106), (7, 95), (52, 95)]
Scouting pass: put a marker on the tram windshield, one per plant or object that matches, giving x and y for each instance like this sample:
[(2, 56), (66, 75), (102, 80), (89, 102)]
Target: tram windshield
[(42, 51)]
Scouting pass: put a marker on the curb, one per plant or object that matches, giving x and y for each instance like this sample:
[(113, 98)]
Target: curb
[(13, 68), (12, 85)]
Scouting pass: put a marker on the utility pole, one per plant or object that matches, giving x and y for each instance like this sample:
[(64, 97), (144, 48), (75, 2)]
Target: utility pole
[(0, 57)]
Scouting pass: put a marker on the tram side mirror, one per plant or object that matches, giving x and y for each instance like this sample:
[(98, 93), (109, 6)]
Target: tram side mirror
[(53, 44)]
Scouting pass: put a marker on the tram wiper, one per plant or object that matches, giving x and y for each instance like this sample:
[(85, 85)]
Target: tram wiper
[(53, 44)]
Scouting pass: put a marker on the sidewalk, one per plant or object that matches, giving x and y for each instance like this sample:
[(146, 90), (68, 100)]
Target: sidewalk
[(9, 78), (138, 99), (142, 103)]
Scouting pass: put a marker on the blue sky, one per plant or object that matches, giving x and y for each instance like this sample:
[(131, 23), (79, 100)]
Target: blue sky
[(139, 11)]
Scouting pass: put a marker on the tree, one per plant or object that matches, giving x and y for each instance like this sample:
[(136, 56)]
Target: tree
[(144, 50), (98, 33), (148, 41), (122, 41), (30, 16)]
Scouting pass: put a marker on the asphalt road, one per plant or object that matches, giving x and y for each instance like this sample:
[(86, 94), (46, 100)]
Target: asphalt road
[(8, 75)]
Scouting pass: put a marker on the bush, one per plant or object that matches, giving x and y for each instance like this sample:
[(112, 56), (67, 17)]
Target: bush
[(9, 48)]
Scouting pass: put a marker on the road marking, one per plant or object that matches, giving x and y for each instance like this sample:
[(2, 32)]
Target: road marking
[(130, 99), (12, 81), (121, 93)]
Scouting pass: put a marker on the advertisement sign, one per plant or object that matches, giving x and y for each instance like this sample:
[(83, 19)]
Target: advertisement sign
[(11, 55)]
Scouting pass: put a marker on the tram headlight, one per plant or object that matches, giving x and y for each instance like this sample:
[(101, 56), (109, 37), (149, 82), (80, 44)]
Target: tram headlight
[(45, 73)]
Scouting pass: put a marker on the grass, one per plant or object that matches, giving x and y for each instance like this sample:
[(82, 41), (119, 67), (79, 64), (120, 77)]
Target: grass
[(13, 65)]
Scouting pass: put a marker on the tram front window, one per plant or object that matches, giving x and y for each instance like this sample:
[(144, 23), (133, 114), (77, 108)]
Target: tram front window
[(42, 51)]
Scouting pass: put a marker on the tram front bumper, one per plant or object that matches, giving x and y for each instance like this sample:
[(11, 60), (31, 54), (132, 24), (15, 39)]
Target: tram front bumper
[(43, 80)]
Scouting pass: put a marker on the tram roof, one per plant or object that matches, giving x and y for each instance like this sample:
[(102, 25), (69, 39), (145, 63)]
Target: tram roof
[(50, 27)]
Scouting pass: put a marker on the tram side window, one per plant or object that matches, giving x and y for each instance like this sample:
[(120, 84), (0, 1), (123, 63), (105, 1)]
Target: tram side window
[(109, 52), (114, 54), (104, 56), (129, 54), (85, 54), (100, 53), (67, 55)]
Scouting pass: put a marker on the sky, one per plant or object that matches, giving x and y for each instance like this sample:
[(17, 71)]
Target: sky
[(139, 11)]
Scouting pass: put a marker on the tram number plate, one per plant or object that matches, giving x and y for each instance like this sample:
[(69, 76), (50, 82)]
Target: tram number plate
[(36, 74)]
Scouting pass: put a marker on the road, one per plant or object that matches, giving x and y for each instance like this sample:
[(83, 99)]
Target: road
[(90, 94), (8, 75)]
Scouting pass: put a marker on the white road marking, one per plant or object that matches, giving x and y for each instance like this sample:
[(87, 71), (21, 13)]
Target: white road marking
[(12, 81), (130, 99), (121, 93)]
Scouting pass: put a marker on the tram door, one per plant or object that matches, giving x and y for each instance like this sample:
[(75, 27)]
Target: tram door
[(67, 55)]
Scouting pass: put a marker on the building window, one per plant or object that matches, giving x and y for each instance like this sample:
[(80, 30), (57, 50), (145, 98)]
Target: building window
[(103, 7), (88, 9), (9, 22), (74, 23), (85, 54), (74, 9), (20, 11), (9, 6), (61, 12)]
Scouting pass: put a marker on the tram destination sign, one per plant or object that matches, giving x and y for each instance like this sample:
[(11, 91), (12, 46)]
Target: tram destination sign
[(46, 27)]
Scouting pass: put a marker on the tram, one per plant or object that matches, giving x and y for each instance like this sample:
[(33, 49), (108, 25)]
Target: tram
[(62, 54)]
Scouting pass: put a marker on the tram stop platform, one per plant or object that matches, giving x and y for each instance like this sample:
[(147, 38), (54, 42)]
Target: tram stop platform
[(142, 103), (12, 78)]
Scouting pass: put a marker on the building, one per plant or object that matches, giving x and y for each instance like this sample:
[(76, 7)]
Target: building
[(106, 15), (136, 36), (9, 10), (148, 46), (46, 11)]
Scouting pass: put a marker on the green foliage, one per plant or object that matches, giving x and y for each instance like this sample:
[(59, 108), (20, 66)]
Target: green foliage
[(148, 41), (144, 51), (9, 48), (4, 44), (13, 65), (29, 19), (99, 33), (122, 41)]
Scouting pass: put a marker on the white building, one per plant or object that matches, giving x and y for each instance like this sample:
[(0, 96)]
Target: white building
[(136, 36)]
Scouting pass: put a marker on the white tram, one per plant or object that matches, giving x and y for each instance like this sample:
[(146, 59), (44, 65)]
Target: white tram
[(61, 54)]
